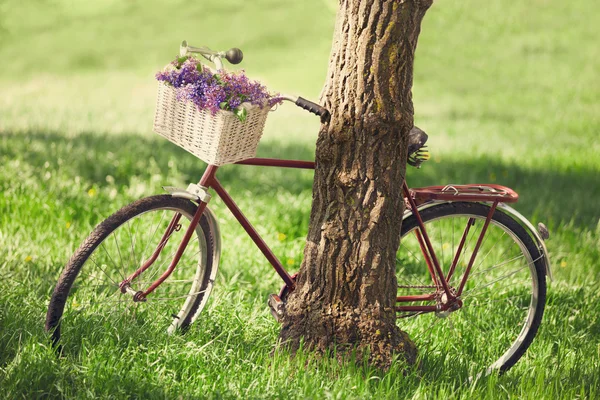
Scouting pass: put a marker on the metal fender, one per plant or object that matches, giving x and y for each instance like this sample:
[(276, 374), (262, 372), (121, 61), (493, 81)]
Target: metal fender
[(514, 214)]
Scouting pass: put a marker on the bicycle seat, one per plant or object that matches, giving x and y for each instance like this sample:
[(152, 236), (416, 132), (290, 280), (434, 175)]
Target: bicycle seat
[(417, 151)]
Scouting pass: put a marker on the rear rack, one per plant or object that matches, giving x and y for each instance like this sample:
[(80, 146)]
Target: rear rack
[(472, 192)]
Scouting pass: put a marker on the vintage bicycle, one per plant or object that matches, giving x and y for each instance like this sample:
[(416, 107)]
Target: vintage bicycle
[(467, 261)]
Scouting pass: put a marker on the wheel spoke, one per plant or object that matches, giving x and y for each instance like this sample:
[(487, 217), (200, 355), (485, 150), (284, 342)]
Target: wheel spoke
[(120, 257), (153, 234), (493, 267), (441, 260), (115, 264), (102, 269), (464, 251), (488, 253), (156, 270), (434, 321), (135, 263), (404, 272), (505, 299), (477, 288)]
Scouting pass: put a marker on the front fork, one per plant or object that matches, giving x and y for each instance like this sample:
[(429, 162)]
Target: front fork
[(174, 226)]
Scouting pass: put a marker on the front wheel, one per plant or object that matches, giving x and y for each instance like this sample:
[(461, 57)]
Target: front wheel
[(503, 299), (87, 300)]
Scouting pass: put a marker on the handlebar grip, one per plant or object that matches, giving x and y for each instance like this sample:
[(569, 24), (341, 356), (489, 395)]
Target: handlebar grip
[(234, 55), (314, 108)]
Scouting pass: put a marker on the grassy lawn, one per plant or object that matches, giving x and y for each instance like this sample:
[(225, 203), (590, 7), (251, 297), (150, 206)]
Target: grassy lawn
[(508, 93)]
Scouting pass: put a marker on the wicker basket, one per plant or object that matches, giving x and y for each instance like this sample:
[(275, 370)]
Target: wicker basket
[(215, 139)]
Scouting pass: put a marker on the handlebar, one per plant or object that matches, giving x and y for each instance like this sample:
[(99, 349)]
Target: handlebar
[(314, 108), (235, 56)]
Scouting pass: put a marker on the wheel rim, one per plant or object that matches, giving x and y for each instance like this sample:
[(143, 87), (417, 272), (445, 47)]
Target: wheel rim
[(500, 297), (96, 309)]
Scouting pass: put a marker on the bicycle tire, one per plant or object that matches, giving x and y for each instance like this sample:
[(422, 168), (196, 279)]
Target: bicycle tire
[(532, 257), (200, 285)]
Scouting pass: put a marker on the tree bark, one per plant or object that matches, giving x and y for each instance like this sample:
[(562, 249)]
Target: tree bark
[(346, 287)]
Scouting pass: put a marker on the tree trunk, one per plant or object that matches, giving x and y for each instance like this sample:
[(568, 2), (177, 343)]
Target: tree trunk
[(346, 288)]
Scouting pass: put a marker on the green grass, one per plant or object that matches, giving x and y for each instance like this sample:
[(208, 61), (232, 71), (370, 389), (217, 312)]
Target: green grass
[(507, 91)]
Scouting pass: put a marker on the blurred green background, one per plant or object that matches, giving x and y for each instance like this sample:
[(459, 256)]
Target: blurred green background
[(508, 92)]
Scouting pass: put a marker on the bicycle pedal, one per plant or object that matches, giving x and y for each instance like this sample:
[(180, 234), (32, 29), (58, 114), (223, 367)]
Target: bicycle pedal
[(277, 307)]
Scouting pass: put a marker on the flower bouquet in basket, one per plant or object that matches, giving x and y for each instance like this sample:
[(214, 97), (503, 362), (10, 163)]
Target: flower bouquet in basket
[(217, 116)]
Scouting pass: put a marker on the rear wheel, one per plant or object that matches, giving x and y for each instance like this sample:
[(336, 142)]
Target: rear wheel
[(504, 296), (87, 300)]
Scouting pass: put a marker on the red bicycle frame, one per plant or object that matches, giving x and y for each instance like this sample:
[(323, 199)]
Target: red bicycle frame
[(445, 296)]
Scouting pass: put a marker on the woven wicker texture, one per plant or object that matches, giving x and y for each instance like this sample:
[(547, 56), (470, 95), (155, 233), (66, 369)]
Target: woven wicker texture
[(215, 139)]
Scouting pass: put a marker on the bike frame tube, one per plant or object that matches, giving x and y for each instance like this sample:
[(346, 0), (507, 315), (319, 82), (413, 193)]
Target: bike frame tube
[(460, 248), (275, 162), (429, 255), (209, 180), (427, 258), (417, 308), (429, 247), (182, 246), (415, 297), (207, 177), (254, 235), (161, 244), (476, 249)]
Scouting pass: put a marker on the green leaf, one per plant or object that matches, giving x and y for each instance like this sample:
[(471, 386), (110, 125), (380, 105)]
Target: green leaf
[(223, 105), (181, 60), (241, 113)]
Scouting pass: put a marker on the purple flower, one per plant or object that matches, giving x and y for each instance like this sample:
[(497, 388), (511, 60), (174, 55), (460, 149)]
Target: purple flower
[(214, 91)]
